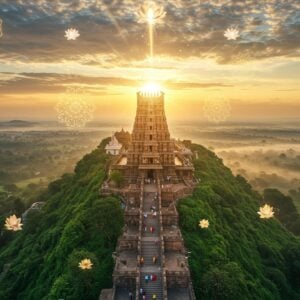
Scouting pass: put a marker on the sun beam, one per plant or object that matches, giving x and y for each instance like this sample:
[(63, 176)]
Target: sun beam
[(151, 89)]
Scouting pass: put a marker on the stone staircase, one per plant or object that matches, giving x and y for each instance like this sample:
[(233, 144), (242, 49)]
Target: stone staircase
[(150, 246), (152, 287), (150, 249), (171, 279)]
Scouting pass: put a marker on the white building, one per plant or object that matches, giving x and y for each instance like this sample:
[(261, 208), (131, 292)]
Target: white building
[(113, 147)]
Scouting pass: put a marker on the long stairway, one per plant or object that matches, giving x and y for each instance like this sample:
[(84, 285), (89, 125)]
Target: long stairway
[(150, 245)]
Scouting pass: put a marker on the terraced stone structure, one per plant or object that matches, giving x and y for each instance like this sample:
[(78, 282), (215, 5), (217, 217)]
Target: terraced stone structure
[(150, 257), (152, 154)]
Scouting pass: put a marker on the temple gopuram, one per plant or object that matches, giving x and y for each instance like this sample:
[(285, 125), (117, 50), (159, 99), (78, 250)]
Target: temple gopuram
[(151, 261)]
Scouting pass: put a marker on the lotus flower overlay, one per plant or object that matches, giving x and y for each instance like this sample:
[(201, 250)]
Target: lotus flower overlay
[(13, 223), (85, 264), (151, 13), (203, 223), (266, 212), (231, 34), (71, 34)]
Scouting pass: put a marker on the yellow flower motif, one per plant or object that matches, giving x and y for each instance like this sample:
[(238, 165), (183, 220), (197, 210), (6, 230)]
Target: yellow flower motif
[(13, 223), (266, 212), (203, 223), (85, 264)]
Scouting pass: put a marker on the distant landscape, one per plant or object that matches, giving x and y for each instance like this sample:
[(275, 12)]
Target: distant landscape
[(268, 155), (32, 154)]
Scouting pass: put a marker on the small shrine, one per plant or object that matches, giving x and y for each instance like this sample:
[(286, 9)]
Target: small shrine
[(113, 147)]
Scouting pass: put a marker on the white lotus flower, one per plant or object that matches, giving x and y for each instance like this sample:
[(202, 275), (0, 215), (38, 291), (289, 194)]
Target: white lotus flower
[(71, 34), (231, 33), (203, 223), (151, 13), (85, 264), (266, 212), (13, 223)]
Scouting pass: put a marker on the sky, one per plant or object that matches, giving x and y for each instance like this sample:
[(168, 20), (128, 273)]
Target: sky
[(258, 74)]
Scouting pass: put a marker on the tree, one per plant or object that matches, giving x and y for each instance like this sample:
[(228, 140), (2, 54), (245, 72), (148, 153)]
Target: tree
[(117, 178), (224, 282)]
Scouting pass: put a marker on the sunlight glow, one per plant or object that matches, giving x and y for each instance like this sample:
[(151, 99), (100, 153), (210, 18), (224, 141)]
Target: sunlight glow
[(150, 90), (150, 16)]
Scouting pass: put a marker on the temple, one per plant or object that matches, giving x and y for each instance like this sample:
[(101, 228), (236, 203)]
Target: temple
[(113, 147), (157, 171), (152, 153)]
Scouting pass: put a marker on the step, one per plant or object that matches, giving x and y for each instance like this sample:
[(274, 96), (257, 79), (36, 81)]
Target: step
[(152, 287)]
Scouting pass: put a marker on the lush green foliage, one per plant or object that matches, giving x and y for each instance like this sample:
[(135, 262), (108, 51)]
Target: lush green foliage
[(41, 262), (285, 209), (117, 178), (239, 256)]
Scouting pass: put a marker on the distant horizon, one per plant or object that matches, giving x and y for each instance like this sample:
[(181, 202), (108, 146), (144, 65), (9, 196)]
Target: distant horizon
[(193, 60), (273, 121)]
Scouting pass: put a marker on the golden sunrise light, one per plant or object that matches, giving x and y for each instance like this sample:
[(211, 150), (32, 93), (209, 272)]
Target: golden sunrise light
[(151, 90), (150, 16), (177, 44), (149, 149)]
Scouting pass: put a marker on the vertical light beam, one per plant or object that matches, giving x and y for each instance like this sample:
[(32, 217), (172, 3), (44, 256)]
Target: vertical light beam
[(151, 22)]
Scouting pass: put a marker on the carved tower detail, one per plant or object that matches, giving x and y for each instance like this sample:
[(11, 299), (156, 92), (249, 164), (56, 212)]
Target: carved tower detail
[(151, 153)]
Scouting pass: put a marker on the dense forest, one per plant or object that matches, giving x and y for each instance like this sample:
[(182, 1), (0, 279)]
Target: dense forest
[(239, 256), (41, 262)]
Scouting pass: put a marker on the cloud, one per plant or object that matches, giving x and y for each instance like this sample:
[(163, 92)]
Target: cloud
[(109, 29), (194, 85), (30, 83)]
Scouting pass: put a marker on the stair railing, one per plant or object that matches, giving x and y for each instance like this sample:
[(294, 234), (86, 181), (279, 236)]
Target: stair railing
[(162, 247), (139, 249)]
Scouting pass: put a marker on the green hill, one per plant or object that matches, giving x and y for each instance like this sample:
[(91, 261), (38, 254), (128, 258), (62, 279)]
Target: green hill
[(238, 257), (41, 262)]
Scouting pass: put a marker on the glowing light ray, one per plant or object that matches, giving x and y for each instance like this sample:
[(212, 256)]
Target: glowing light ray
[(115, 23), (151, 41), (118, 28), (151, 13)]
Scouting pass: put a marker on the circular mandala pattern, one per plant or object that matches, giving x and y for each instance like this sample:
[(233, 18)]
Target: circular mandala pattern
[(73, 110), (217, 110)]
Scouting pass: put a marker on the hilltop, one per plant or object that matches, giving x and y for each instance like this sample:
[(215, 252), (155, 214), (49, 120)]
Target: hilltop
[(17, 123), (238, 257)]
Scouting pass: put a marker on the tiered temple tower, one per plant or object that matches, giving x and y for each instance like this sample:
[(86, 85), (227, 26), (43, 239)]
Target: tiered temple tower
[(152, 153)]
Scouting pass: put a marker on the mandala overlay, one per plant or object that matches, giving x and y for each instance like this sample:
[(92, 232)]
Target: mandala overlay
[(217, 110), (73, 110)]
